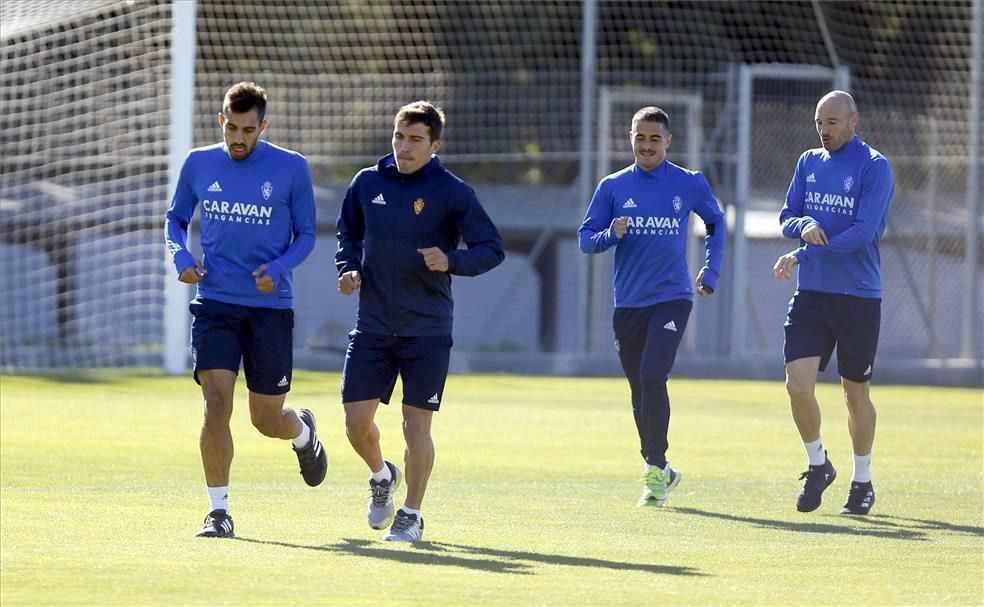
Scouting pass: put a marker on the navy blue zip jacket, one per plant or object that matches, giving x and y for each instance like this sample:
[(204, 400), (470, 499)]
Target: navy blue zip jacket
[(386, 216)]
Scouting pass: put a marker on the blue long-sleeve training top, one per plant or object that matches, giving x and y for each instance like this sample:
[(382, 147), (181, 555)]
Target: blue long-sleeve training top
[(651, 258), (385, 217), (846, 193), (259, 210)]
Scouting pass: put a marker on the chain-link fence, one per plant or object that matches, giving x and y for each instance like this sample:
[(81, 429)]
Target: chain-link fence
[(85, 92)]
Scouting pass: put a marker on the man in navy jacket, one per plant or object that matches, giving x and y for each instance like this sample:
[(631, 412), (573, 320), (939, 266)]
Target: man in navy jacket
[(398, 235)]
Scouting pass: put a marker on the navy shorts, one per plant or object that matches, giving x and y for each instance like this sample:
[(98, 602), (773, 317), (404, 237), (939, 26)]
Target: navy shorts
[(373, 361), (817, 321), (223, 334)]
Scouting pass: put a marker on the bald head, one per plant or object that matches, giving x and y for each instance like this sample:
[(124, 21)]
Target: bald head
[(838, 100), (836, 119)]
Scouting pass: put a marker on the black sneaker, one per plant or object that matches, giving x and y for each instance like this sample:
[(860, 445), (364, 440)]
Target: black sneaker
[(818, 478), (312, 457), (218, 523), (860, 498)]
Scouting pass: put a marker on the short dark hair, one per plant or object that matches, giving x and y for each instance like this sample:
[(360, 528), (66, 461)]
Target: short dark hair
[(244, 96), (651, 113), (425, 112)]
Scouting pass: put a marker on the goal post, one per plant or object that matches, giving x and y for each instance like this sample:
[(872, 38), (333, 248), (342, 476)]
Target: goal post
[(182, 131)]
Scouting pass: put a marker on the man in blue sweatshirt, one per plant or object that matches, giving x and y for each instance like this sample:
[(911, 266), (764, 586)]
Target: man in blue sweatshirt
[(644, 212), (398, 233), (257, 224), (836, 207)]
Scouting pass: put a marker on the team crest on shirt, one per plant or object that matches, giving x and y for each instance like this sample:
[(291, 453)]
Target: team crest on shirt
[(266, 189), (418, 205), (677, 204), (848, 184)]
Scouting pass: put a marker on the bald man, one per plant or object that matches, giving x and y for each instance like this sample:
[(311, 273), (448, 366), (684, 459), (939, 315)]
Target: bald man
[(836, 207)]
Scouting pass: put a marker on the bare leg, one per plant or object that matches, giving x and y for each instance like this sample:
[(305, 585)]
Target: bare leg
[(419, 453), (363, 433), (801, 381), (861, 415), (215, 441), (271, 417)]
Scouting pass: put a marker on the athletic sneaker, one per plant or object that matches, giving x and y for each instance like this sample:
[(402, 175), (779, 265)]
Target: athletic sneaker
[(406, 528), (218, 523), (818, 478), (860, 498), (380, 512), (311, 457), (657, 486)]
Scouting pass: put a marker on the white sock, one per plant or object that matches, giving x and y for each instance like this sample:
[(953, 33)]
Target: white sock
[(862, 468), (410, 510), (382, 475), (815, 452), (219, 496), (302, 439)]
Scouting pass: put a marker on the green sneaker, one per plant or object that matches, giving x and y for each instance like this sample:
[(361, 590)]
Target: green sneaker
[(657, 485)]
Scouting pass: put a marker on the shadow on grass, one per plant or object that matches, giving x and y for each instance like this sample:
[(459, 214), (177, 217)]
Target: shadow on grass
[(848, 527), (459, 555), (559, 559), (900, 522)]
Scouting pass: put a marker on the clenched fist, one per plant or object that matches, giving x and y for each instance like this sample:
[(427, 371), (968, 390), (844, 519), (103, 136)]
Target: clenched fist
[(434, 259), (349, 282), (619, 226)]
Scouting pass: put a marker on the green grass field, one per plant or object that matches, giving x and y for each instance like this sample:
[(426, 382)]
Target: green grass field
[(532, 501)]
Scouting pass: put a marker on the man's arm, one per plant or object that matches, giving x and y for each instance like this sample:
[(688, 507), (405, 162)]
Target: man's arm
[(793, 222), (351, 231), (877, 187), (710, 211), (303, 222), (178, 218), (485, 250), (597, 234)]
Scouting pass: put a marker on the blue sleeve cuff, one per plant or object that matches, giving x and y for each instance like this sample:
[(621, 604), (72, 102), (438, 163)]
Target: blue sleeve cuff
[(182, 261), (275, 270), (610, 237), (452, 261), (710, 277)]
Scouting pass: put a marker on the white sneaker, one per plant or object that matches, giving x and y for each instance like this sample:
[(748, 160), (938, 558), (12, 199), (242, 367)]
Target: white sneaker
[(380, 512), (406, 528)]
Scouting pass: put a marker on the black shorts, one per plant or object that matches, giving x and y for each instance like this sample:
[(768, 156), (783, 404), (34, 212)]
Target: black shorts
[(223, 334), (817, 321), (373, 361)]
